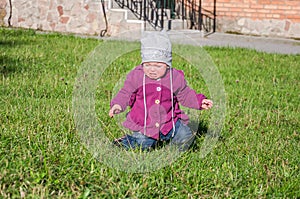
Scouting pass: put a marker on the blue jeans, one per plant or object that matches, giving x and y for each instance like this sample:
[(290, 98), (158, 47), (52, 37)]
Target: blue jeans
[(183, 138)]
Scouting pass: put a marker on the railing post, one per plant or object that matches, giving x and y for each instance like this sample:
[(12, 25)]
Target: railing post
[(141, 9), (145, 10), (215, 16), (182, 10), (162, 14), (200, 15)]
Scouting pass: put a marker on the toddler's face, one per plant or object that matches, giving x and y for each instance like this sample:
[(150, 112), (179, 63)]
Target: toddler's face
[(155, 70)]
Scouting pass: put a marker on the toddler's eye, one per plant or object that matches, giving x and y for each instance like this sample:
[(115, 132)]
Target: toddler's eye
[(157, 66)]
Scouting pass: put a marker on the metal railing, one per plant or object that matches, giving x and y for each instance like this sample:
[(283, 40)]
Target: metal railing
[(160, 13)]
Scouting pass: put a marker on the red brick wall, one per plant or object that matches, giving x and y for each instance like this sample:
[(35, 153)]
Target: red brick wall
[(258, 17), (256, 9)]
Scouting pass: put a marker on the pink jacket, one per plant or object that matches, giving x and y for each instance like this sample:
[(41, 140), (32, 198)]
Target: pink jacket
[(158, 101)]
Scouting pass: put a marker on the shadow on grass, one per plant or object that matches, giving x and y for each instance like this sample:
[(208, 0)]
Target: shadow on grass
[(9, 65), (201, 129), (15, 41), (10, 40), (12, 43)]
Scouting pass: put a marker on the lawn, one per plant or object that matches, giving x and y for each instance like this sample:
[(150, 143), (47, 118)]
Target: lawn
[(42, 154)]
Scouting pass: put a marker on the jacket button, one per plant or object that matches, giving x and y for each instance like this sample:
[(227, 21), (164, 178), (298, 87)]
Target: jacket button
[(157, 101), (157, 124), (158, 88)]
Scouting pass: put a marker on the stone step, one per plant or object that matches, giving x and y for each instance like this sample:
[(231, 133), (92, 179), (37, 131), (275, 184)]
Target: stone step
[(173, 24), (124, 20), (129, 14)]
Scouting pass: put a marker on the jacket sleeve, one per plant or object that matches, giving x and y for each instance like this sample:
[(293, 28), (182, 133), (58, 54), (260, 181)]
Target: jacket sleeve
[(187, 96), (124, 96)]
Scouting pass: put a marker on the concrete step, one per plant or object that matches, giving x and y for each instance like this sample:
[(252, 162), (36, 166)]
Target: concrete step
[(124, 20), (117, 18), (173, 24), (129, 14)]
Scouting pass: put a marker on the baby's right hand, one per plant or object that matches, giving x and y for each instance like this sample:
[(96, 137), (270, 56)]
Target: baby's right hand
[(116, 109)]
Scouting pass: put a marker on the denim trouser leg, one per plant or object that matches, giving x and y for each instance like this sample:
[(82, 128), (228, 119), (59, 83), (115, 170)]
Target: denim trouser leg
[(136, 140), (144, 142), (183, 137)]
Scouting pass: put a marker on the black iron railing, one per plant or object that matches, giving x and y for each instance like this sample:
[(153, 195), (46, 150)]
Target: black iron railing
[(160, 13)]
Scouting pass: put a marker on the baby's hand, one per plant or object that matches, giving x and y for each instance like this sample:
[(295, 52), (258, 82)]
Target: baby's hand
[(206, 104), (116, 109)]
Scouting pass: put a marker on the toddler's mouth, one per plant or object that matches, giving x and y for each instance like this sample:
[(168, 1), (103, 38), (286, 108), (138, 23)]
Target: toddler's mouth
[(152, 75)]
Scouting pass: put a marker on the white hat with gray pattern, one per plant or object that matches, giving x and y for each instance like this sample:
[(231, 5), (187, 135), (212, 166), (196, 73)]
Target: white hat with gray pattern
[(156, 47)]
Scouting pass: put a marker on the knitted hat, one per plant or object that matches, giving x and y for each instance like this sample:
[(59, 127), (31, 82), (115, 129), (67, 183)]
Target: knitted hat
[(156, 47)]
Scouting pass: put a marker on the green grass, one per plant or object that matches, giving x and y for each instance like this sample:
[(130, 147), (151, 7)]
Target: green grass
[(41, 155)]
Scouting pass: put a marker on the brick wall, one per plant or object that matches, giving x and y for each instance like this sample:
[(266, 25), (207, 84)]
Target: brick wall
[(262, 17)]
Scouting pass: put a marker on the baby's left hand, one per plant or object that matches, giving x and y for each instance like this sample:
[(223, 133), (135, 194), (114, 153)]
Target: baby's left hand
[(206, 104)]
